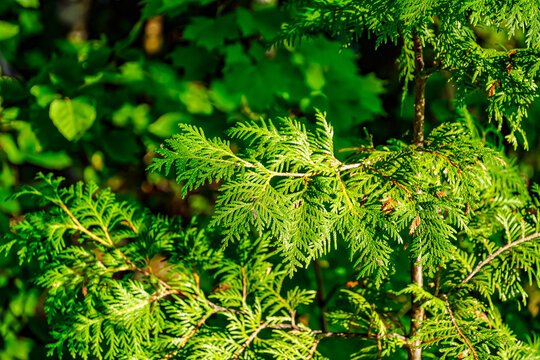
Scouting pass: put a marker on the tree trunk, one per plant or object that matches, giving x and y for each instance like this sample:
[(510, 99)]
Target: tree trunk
[(417, 276)]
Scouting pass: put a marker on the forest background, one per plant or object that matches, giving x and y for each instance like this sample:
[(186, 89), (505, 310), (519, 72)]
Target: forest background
[(91, 88)]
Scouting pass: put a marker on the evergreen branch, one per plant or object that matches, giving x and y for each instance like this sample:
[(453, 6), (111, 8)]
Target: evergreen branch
[(331, 334), (357, 149), (454, 323), (293, 174), (497, 253), (144, 271), (417, 275), (346, 194), (189, 335), (250, 340), (199, 324), (130, 225), (390, 179), (421, 149), (109, 243), (222, 309), (313, 349), (343, 167), (81, 228), (155, 297), (244, 284)]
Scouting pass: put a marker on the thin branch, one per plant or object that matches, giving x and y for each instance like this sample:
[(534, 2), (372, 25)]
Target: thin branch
[(145, 272), (293, 174), (497, 253), (155, 297), (358, 335), (453, 319), (419, 92), (330, 334), (78, 226), (241, 162), (441, 156), (390, 179), (338, 170), (108, 243), (313, 349), (358, 149), (417, 275), (434, 340), (189, 335), (218, 308), (130, 225), (379, 348), (244, 284), (249, 340), (347, 198)]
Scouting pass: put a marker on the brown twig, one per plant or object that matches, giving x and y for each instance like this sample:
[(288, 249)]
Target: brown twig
[(390, 179), (313, 349), (244, 284), (155, 297), (417, 276), (442, 157), (330, 334), (78, 226), (357, 149), (189, 335), (419, 92), (454, 323), (249, 340), (497, 253)]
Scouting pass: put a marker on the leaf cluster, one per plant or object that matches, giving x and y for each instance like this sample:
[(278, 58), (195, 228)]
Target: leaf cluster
[(291, 183), (126, 284), (450, 30)]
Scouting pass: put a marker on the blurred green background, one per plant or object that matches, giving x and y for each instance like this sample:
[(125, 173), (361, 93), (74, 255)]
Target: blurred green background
[(90, 88)]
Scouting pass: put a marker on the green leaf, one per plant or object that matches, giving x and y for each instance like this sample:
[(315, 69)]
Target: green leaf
[(8, 30), (264, 22), (50, 160), (138, 116), (211, 33), (7, 144), (10, 114), (72, 117), (167, 124), (30, 22), (223, 99), (315, 76), (196, 99), (44, 95), (29, 3)]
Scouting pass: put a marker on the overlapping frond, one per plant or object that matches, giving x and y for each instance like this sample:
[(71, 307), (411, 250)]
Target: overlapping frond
[(508, 77), (291, 184), (125, 284)]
